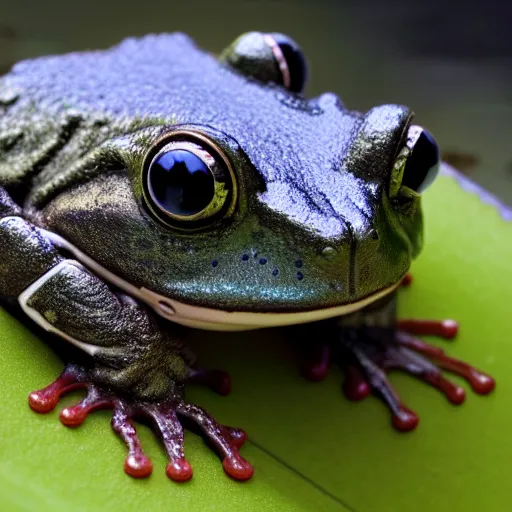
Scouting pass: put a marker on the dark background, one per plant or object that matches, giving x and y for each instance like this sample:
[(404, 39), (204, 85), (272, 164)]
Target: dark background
[(450, 61)]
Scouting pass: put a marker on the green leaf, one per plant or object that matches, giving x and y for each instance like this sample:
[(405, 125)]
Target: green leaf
[(311, 448)]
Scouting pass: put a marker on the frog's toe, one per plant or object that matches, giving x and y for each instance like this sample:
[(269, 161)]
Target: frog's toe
[(225, 440), (480, 382), (171, 432), (446, 329), (315, 366), (406, 280), (96, 399), (237, 435), (166, 419), (45, 400), (136, 464), (165, 416), (373, 355), (369, 375), (355, 386)]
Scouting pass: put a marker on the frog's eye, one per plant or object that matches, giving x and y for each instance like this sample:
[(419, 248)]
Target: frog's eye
[(186, 186), (269, 58), (417, 164)]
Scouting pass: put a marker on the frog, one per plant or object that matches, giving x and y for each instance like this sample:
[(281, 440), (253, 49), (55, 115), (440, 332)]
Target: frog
[(154, 187)]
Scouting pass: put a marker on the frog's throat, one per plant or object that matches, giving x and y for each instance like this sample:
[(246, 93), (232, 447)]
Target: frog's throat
[(214, 319)]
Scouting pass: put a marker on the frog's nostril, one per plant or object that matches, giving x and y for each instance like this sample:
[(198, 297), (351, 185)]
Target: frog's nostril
[(329, 252)]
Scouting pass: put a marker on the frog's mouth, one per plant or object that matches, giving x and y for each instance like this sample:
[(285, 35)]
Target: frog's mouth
[(219, 320), (215, 319)]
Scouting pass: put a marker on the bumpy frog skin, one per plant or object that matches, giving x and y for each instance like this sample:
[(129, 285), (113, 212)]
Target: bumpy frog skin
[(313, 215)]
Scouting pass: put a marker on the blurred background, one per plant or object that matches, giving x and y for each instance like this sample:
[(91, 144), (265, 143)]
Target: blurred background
[(450, 61)]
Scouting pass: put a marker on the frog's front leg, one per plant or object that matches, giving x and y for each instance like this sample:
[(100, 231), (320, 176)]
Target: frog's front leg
[(139, 367), (371, 342)]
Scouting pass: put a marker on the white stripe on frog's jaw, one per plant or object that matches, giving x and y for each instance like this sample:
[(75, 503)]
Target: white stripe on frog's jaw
[(214, 319)]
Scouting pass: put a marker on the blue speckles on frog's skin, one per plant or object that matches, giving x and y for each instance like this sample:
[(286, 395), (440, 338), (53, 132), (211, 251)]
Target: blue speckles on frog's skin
[(245, 257), (275, 272), (300, 276), (263, 261), (299, 263), (214, 263)]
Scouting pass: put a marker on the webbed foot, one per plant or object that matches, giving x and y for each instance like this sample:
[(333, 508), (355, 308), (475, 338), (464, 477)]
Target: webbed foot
[(164, 415), (369, 352)]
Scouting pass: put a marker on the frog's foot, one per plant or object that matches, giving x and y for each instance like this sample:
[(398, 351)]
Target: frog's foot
[(163, 415), (368, 354)]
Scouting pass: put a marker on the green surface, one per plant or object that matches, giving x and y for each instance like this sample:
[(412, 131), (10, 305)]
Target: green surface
[(312, 449)]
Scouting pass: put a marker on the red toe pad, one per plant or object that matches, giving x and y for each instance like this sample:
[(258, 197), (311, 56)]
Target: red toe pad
[(179, 470), (237, 468)]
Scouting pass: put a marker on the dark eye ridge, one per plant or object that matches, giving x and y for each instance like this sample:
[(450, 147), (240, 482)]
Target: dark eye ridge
[(181, 183)]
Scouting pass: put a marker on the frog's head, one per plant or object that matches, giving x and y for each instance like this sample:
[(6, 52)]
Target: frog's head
[(255, 207)]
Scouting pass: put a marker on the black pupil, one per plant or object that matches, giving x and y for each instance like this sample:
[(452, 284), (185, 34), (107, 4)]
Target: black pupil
[(295, 61), (423, 164), (181, 182)]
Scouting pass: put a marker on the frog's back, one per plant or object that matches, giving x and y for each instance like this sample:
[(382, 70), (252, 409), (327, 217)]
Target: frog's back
[(163, 76), (57, 109), (159, 79), (137, 77), (88, 97), (48, 101)]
